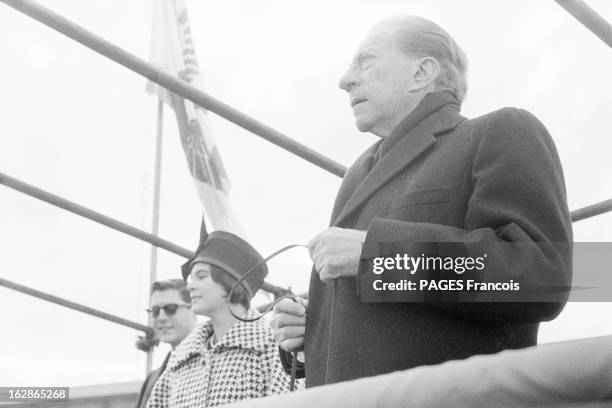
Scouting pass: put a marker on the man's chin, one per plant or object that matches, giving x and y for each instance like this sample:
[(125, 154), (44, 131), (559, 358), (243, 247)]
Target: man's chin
[(362, 124), (167, 338)]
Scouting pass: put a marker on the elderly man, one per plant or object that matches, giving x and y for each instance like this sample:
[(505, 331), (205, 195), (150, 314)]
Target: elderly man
[(434, 176), (173, 320)]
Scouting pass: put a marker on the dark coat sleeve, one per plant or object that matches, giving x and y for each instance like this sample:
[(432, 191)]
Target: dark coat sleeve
[(517, 195)]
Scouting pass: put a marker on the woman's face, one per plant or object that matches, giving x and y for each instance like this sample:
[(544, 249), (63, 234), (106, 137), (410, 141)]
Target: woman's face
[(207, 296)]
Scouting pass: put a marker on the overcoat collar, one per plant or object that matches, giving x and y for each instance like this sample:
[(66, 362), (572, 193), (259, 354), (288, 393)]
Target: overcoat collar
[(241, 335), (436, 114)]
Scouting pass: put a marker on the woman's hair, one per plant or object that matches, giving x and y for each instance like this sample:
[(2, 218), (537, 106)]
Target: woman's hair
[(240, 295)]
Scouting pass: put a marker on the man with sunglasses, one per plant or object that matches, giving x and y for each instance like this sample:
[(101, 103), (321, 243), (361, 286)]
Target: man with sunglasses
[(172, 321), (232, 356)]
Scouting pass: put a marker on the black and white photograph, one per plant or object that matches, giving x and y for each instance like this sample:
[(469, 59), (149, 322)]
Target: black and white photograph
[(309, 204)]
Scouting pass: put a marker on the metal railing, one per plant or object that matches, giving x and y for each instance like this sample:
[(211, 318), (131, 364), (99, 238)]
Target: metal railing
[(75, 306), (592, 210), (589, 18), (74, 208), (148, 331), (172, 83)]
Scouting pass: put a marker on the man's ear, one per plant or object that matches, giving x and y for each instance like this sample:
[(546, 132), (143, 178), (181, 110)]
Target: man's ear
[(427, 70)]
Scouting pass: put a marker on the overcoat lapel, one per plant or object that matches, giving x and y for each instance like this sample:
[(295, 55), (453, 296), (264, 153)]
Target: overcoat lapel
[(354, 176), (410, 147)]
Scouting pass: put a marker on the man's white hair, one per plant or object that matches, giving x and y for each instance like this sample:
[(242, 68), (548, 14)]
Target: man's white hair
[(419, 37)]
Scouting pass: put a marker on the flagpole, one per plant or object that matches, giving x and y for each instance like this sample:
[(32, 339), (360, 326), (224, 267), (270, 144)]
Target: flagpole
[(156, 196)]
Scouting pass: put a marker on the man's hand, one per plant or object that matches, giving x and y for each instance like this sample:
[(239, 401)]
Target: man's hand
[(335, 252), (288, 323)]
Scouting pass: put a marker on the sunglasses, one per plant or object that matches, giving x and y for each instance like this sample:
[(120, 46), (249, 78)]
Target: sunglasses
[(169, 309)]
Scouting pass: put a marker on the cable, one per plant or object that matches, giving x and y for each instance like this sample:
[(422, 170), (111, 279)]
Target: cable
[(294, 360), (241, 280)]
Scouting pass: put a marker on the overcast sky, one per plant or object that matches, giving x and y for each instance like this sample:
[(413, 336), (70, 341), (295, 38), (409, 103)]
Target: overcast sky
[(81, 126)]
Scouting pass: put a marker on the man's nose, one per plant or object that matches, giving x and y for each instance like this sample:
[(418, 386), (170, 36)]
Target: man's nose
[(348, 80)]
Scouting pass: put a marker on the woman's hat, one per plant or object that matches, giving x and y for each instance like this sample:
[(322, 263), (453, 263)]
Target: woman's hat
[(233, 255)]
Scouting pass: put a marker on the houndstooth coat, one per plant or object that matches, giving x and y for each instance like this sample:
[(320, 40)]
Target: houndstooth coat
[(243, 364)]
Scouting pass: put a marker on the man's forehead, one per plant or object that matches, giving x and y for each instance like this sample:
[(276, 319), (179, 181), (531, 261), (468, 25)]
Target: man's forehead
[(381, 37)]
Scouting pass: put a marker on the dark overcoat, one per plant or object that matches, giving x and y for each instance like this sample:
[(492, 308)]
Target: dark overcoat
[(440, 178)]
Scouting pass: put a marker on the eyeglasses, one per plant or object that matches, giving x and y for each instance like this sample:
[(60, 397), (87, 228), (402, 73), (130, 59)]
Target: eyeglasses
[(169, 309)]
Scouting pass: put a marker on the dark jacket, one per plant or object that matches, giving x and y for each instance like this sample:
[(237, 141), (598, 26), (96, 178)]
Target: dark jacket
[(149, 382), (441, 178)]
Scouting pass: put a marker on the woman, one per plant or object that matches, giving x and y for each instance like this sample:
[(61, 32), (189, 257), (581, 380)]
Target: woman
[(223, 360)]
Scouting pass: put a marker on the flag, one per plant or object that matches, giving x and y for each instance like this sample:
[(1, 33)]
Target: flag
[(172, 50)]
